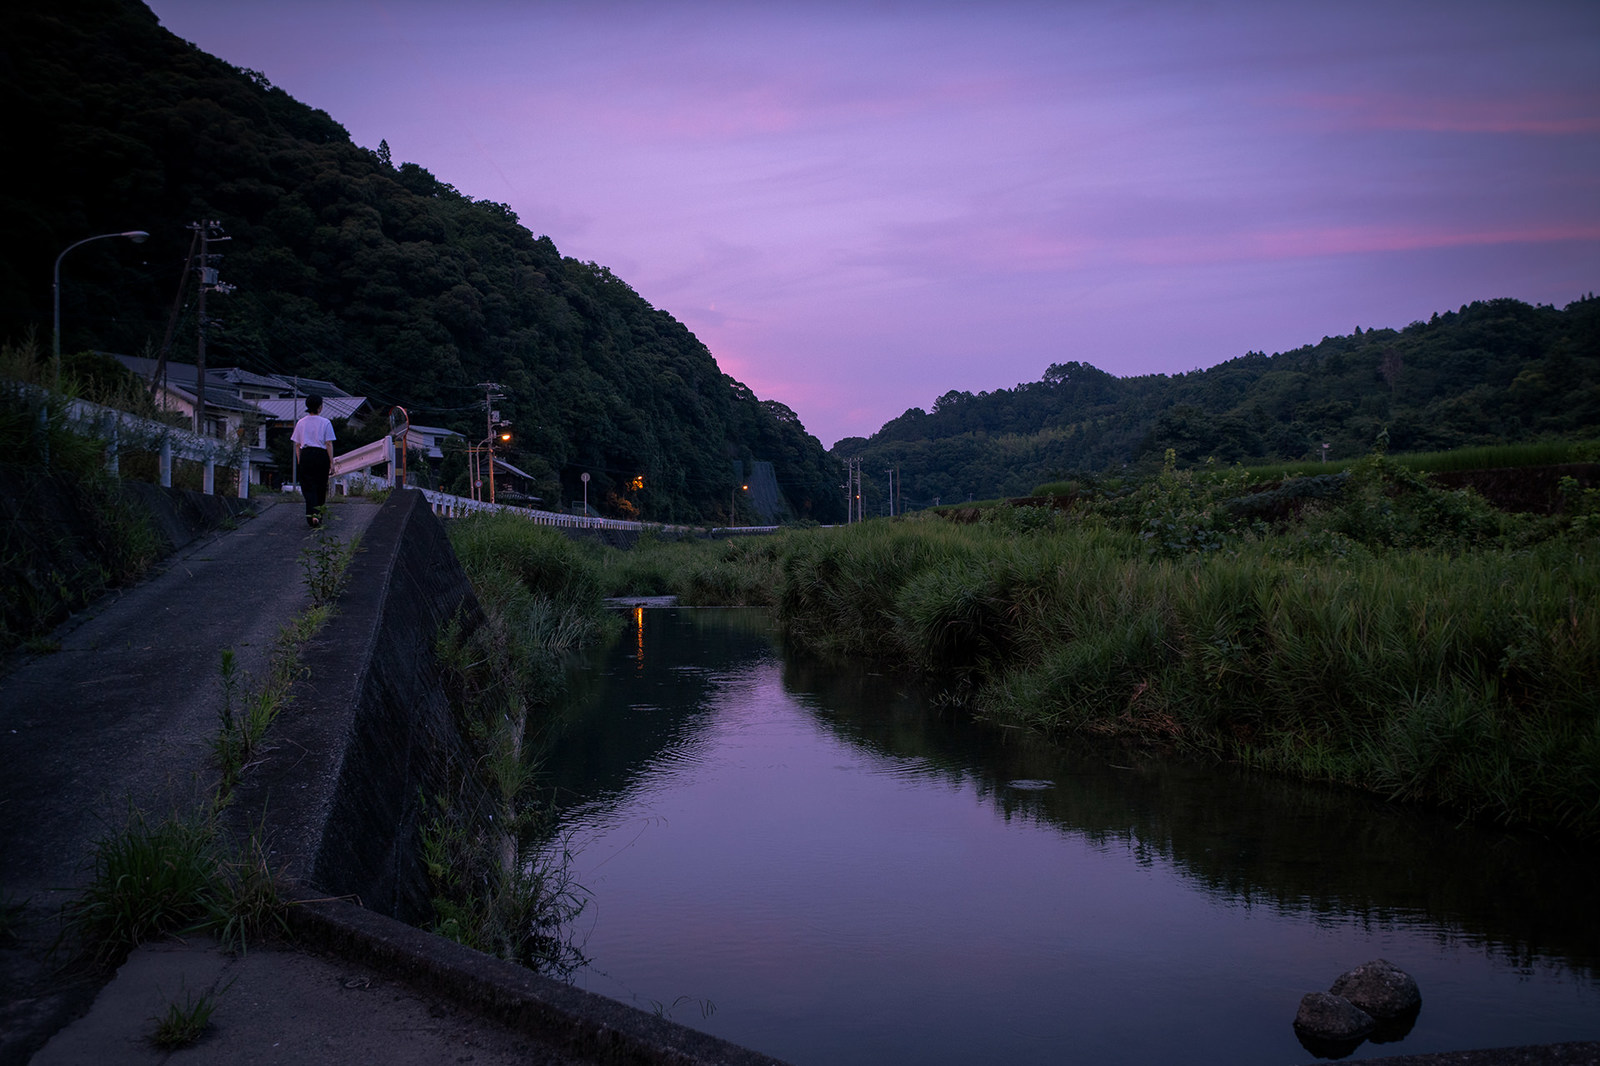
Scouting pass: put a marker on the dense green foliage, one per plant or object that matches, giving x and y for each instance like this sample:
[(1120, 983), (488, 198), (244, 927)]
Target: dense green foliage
[(1491, 373), (351, 268)]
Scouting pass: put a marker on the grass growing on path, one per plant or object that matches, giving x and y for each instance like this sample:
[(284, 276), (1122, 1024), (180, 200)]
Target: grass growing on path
[(171, 877)]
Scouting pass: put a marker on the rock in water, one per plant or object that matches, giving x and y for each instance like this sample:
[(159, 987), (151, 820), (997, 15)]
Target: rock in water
[(1329, 1017), (1380, 988)]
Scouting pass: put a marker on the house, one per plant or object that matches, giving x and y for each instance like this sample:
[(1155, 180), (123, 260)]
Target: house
[(243, 405), (429, 440)]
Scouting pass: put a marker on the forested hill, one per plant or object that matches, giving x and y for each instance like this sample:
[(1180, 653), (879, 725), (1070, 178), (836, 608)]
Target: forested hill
[(349, 267), (1492, 372)]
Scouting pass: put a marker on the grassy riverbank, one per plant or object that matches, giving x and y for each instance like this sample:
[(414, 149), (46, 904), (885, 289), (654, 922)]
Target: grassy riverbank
[(541, 598), (1386, 635)]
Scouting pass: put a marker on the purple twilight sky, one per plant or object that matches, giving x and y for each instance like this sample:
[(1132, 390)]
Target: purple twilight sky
[(860, 205)]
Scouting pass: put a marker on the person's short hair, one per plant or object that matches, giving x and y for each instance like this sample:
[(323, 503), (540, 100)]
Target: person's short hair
[(314, 405)]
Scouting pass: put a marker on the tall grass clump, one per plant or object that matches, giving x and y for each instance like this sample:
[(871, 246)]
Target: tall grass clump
[(1392, 636), (540, 597), (171, 877), (739, 571)]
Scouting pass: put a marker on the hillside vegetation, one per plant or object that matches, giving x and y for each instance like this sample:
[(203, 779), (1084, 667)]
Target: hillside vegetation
[(1490, 373), (351, 267)]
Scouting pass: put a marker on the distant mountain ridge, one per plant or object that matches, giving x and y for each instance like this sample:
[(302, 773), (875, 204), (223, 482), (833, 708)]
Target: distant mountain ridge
[(1495, 371), (350, 267)]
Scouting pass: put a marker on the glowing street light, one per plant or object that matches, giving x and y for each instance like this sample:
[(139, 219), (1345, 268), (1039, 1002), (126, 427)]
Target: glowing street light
[(137, 236)]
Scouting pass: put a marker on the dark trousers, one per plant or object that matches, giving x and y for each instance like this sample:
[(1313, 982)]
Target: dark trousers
[(314, 477)]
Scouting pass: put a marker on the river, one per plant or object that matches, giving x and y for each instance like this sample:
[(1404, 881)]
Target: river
[(814, 862)]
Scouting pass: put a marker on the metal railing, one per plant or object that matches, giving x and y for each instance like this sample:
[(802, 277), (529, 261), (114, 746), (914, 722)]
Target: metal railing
[(447, 506)]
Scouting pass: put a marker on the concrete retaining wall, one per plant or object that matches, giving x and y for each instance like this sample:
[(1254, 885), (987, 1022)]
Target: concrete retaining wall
[(369, 733)]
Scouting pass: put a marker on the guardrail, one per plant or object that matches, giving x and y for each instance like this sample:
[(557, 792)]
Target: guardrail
[(123, 431), (447, 506)]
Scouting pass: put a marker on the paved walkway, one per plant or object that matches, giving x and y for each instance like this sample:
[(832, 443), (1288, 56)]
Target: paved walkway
[(124, 714), (121, 718)]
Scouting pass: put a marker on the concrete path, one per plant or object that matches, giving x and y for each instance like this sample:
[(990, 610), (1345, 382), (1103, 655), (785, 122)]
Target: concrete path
[(285, 1007), (121, 718), (125, 713)]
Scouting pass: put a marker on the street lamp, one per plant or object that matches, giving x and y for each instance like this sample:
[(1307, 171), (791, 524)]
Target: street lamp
[(137, 236)]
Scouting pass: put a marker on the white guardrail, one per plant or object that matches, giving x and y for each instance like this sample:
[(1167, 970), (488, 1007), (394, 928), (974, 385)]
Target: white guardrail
[(447, 506), (121, 430)]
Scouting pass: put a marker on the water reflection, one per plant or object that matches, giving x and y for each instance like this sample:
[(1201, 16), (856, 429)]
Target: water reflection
[(1245, 836), (853, 877)]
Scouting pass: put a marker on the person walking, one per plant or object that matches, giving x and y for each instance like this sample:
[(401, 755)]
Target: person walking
[(314, 436)]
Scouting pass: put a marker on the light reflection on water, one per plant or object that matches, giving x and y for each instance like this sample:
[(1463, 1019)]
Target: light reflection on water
[(850, 878)]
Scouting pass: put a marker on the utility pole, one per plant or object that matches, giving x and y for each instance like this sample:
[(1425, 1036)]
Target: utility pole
[(158, 376), (207, 231), (491, 393)]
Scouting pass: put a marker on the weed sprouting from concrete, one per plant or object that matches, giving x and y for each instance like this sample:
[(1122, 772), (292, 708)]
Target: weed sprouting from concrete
[(148, 880), (324, 562), (182, 1024)]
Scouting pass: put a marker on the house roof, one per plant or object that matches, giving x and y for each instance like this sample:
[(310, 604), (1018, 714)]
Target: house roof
[(433, 431), (234, 376), (290, 410), (520, 473), (182, 375)]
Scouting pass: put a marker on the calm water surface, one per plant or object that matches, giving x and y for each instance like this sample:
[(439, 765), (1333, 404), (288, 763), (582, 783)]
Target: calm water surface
[(809, 861)]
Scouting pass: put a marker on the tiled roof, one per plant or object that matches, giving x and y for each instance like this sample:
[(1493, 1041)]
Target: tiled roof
[(291, 410)]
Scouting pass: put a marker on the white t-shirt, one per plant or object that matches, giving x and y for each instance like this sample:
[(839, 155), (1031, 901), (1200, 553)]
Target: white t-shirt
[(313, 431)]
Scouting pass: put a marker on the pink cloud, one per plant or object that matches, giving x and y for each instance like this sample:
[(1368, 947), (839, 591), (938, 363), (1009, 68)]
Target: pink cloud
[(1541, 114), (1348, 241)]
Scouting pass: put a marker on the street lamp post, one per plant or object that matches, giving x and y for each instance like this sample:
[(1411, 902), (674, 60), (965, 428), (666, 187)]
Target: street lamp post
[(137, 236)]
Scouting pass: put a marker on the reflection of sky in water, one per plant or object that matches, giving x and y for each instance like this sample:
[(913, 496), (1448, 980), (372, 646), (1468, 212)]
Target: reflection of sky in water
[(838, 905)]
